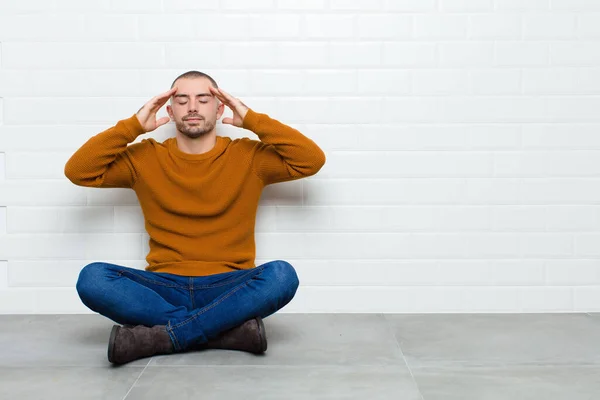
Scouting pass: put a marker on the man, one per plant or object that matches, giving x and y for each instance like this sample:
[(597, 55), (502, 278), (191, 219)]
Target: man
[(199, 193)]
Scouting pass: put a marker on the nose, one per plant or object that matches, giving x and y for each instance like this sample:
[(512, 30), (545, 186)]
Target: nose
[(192, 107)]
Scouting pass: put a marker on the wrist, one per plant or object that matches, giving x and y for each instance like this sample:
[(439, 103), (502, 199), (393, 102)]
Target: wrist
[(250, 121), (134, 126)]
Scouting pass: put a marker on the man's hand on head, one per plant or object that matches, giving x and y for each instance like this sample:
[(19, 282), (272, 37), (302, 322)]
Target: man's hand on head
[(147, 114), (239, 109)]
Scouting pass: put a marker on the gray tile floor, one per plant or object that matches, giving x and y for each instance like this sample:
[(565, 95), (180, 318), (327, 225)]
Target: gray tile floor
[(318, 356)]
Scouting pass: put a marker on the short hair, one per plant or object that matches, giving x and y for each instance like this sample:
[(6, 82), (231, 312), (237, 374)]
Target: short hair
[(195, 74)]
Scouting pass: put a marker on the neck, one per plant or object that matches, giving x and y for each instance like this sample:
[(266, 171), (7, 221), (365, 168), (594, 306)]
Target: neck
[(198, 145)]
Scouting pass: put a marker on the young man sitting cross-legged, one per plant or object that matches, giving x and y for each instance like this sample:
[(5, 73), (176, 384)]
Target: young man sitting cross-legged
[(199, 194)]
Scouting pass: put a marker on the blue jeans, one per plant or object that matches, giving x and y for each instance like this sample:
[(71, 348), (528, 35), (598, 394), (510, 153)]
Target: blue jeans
[(193, 308)]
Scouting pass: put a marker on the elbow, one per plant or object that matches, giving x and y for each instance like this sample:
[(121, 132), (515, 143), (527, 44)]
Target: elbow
[(318, 162), (322, 159), (72, 178), (70, 172)]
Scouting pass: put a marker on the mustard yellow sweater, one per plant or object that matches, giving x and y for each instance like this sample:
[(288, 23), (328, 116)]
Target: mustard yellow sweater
[(199, 209)]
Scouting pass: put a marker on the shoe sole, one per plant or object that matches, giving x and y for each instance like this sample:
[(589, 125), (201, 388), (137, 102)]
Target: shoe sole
[(263, 335), (111, 343)]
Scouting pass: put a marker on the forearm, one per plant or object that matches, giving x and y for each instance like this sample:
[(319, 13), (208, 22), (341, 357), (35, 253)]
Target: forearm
[(301, 154), (89, 165)]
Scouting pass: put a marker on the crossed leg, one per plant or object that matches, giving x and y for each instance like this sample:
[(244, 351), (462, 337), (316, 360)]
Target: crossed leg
[(193, 309)]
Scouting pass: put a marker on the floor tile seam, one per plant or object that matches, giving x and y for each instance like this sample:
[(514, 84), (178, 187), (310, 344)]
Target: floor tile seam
[(391, 331), (13, 365), (280, 366), (459, 365), (136, 381)]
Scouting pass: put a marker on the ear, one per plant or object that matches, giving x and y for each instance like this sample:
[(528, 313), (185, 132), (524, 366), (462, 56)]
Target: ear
[(170, 111), (220, 110)]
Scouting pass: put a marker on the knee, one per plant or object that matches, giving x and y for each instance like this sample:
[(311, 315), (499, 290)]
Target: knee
[(89, 279), (285, 278)]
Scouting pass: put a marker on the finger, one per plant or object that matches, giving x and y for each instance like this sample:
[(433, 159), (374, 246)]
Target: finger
[(224, 101), (162, 121), (167, 94), (160, 100), (228, 121), (157, 105), (218, 93), (221, 98), (154, 107), (163, 98), (229, 97), (214, 91), (227, 100), (232, 102)]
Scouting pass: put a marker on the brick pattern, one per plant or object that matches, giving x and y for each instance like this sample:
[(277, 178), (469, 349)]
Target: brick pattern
[(463, 169)]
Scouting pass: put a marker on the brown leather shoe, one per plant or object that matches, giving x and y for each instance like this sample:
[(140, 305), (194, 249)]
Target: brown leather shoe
[(131, 343), (249, 336)]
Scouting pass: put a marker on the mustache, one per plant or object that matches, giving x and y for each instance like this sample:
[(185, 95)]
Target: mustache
[(192, 116)]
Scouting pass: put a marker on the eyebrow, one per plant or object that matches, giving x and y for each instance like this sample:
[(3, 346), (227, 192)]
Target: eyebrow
[(198, 95)]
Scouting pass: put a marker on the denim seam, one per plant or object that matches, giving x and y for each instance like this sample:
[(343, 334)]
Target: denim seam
[(228, 282), (191, 292), (202, 311), (172, 334), (251, 270), (122, 272), (193, 317)]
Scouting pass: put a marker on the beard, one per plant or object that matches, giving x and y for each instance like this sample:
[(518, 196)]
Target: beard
[(196, 129)]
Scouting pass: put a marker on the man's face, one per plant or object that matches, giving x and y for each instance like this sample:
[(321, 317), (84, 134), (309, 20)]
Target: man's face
[(193, 108)]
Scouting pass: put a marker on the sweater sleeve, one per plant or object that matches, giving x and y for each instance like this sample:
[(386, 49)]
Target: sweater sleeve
[(106, 160), (283, 153)]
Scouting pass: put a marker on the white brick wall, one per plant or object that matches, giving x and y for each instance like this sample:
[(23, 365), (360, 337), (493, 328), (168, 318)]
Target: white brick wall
[(463, 154)]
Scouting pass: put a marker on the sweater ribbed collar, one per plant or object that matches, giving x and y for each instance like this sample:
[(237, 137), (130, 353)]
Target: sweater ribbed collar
[(218, 148)]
